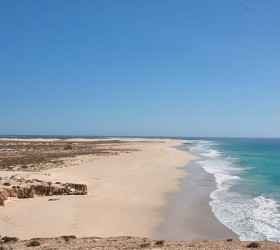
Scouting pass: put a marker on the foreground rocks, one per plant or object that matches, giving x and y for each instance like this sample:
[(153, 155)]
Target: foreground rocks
[(22, 189), (112, 243)]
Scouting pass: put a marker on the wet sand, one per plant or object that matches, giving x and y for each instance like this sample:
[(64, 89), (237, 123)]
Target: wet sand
[(188, 215)]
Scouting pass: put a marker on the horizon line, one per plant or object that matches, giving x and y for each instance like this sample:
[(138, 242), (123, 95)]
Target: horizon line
[(129, 136)]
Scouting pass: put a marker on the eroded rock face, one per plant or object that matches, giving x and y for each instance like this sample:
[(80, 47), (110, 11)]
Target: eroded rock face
[(43, 189)]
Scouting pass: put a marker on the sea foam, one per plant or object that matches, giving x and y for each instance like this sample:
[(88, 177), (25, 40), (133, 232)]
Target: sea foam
[(251, 218)]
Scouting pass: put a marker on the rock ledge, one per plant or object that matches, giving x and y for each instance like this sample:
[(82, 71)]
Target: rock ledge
[(41, 189)]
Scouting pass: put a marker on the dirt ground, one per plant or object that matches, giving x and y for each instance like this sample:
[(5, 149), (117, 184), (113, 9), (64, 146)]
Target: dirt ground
[(70, 242), (21, 155)]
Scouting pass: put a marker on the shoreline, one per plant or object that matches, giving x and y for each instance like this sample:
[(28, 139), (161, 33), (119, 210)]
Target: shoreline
[(188, 214), (126, 194)]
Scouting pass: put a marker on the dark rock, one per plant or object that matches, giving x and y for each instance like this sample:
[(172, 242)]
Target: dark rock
[(9, 239)]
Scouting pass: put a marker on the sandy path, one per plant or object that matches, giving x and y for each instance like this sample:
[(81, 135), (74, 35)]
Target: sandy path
[(126, 195)]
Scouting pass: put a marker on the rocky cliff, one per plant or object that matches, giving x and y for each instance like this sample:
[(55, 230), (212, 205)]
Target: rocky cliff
[(42, 189)]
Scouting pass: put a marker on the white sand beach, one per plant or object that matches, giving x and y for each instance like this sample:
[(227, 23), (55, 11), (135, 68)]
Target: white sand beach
[(126, 194)]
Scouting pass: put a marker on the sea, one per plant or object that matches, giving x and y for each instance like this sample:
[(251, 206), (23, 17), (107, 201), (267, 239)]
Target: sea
[(247, 176)]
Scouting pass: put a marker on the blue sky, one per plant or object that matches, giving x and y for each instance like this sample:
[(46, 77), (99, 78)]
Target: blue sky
[(141, 67)]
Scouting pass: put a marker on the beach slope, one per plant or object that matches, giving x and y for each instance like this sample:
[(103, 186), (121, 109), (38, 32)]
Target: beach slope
[(126, 192)]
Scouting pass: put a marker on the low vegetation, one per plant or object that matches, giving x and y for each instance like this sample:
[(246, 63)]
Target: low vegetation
[(159, 242), (145, 245), (254, 245), (68, 237), (34, 243), (68, 147), (7, 239)]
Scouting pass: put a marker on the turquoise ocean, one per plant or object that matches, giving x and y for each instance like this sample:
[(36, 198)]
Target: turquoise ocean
[(247, 175)]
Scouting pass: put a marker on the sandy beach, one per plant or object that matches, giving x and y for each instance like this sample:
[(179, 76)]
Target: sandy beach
[(141, 193), (188, 215), (127, 193)]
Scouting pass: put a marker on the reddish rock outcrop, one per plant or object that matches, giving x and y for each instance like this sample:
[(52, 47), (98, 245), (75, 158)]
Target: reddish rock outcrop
[(41, 190)]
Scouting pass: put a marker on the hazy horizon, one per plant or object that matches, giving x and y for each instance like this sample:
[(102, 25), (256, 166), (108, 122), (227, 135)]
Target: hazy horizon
[(126, 136)]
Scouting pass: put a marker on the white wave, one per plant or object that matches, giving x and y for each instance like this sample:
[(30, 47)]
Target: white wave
[(212, 154), (250, 218)]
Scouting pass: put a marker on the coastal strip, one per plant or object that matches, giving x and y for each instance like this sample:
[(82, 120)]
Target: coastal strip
[(188, 215), (126, 192)]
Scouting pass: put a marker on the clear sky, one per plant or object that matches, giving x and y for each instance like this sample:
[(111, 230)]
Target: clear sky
[(140, 67)]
